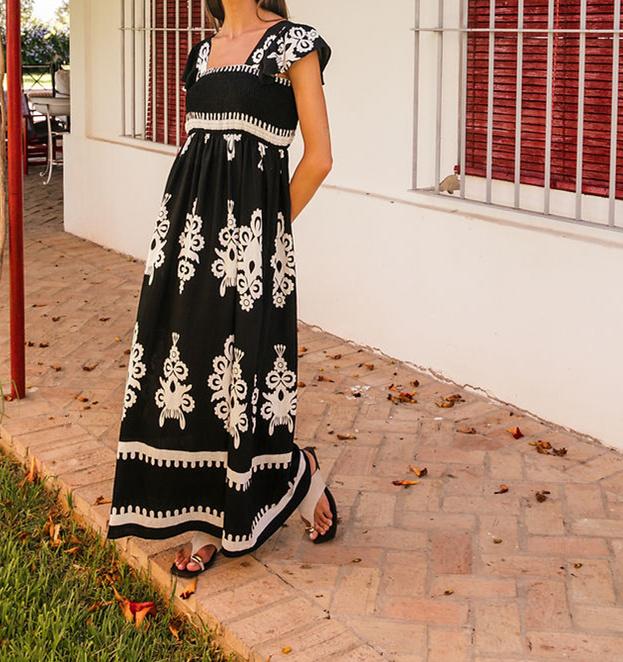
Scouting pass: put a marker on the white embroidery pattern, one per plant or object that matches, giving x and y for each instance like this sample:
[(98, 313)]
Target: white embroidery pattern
[(173, 396), (191, 242), (280, 405), (254, 399), (282, 262), (231, 139), (295, 43), (262, 150), (230, 390), (136, 371), (249, 268), (202, 59), (155, 257), (206, 137), (239, 261)]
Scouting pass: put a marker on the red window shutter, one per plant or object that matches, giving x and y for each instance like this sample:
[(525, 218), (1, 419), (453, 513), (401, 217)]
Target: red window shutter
[(157, 130), (565, 70)]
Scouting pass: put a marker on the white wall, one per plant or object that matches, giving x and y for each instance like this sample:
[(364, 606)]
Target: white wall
[(527, 308)]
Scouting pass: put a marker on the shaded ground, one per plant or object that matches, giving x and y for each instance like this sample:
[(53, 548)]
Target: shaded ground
[(469, 564)]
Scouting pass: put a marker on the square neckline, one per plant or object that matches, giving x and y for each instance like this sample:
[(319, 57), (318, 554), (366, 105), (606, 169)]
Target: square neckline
[(251, 54)]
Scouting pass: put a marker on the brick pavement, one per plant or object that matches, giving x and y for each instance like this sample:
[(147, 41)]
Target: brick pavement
[(455, 568)]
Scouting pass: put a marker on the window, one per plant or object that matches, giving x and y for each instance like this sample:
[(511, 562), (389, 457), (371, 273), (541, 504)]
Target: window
[(536, 122), (156, 36)]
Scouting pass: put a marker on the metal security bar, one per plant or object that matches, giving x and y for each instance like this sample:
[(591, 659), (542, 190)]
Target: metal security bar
[(457, 149), (156, 36)]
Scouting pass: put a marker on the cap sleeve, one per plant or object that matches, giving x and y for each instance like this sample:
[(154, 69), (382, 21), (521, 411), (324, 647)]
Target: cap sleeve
[(293, 43), (189, 75)]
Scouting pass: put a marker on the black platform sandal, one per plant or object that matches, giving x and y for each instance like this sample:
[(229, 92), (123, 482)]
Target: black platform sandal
[(308, 505)]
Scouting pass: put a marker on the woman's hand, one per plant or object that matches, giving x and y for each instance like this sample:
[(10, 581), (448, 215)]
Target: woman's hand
[(312, 111)]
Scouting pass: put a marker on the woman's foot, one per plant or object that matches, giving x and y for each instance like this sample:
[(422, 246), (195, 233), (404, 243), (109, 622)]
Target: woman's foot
[(322, 513), (184, 562)]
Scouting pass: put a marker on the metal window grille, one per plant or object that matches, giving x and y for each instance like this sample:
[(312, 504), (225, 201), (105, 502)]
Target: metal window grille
[(156, 37), (518, 105)]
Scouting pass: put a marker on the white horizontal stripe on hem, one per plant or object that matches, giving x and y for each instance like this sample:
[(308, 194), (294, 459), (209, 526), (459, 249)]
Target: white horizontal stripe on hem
[(160, 520), (130, 450), (241, 480), (265, 517)]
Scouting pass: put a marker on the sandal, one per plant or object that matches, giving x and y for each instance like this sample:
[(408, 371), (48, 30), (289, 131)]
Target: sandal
[(308, 505), (195, 558)]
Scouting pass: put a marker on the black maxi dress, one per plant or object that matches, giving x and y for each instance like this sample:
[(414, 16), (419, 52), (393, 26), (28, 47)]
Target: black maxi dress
[(206, 440)]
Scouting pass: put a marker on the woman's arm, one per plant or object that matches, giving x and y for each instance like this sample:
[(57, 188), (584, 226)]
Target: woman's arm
[(312, 110)]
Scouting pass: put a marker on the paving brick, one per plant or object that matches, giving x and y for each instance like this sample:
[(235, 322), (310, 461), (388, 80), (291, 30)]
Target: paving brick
[(390, 637), (584, 501), (356, 591), (497, 628), (471, 586), (405, 573), (499, 534), (598, 527), (375, 510), (546, 605), (544, 518), (451, 552), (595, 617), (422, 610), (445, 645), (566, 546), (575, 646), (591, 583)]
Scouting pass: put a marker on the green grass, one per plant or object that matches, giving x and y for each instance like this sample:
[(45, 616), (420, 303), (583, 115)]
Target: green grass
[(57, 602)]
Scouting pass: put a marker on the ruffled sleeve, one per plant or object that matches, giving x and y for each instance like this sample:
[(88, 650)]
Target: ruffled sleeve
[(189, 75), (293, 43)]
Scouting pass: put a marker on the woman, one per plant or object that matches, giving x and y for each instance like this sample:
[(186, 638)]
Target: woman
[(207, 432)]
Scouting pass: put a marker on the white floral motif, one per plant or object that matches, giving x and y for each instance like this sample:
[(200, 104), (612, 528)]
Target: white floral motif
[(254, 399), (261, 147), (155, 257), (136, 371), (282, 154), (280, 405), (230, 389), (206, 137), (231, 139), (282, 262), (249, 268), (173, 397), (226, 264), (258, 54), (191, 242), (296, 42), (202, 59)]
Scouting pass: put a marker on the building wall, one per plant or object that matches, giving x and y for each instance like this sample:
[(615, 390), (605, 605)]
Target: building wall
[(528, 309)]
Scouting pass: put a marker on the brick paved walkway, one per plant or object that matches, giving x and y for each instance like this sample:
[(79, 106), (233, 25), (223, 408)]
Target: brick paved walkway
[(467, 565)]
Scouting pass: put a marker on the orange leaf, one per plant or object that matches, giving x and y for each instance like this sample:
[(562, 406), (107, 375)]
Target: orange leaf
[(503, 489), (124, 605), (515, 432), (405, 483), (343, 437), (142, 613), (286, 650), (190, 590), (418, 471)]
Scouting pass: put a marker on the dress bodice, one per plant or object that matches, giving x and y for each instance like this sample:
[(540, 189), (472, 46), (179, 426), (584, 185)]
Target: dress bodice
[(251, 96)]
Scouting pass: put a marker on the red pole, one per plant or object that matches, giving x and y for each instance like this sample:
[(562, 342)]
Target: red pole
[(15, 198)]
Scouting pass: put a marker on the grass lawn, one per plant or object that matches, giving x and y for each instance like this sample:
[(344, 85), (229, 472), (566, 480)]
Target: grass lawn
[(56, 589)]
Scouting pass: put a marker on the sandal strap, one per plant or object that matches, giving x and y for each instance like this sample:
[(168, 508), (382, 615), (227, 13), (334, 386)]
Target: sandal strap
[(198, 560)]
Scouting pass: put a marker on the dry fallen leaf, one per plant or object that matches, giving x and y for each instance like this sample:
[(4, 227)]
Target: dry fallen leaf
[(33, 473), (541, 496), (497, 541), (141, 613), (101, 500), (405, 483), (448, 591), (515, 432), (286, 650), (192, 587), (174, 630), (502, 490), (418, 471), (466, 430), (322, 378), (343, 437)]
